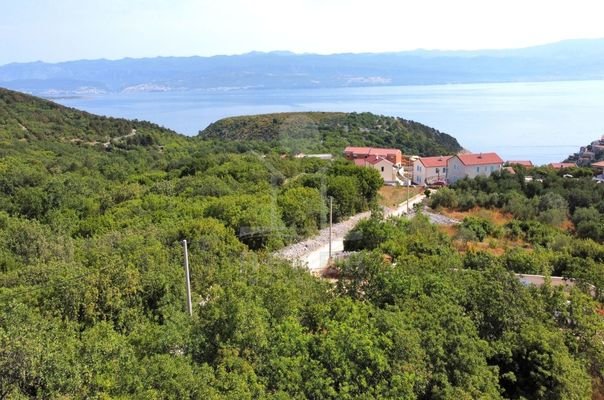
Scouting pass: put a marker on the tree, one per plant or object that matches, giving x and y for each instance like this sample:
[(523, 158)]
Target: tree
[(538, 366), (346, 200), (588, 223), (38, 356), (255, 219), (553, 208), (302, 208), (369, 234)]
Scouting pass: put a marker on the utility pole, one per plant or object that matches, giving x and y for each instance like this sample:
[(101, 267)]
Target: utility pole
[(408, 185), (330, 222), (408, 197), (187, 279)]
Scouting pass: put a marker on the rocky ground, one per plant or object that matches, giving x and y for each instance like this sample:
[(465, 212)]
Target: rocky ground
[(439, 219)]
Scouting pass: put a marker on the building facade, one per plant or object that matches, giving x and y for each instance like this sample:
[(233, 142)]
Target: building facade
[(428, 170), (472, 165), (385, 167)]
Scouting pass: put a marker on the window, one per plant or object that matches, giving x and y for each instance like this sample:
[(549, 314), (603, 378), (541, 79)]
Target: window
[(382, 169), (477, 169)]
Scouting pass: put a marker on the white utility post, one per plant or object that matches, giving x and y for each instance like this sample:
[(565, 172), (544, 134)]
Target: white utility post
[(408, 185), (330, 223), (187, 278)]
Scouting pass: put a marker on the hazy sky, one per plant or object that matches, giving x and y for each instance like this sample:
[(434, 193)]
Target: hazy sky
[(58, 30)]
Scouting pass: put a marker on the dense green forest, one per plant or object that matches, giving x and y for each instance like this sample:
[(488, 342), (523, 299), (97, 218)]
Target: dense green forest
[(92, 298), (322, 132)]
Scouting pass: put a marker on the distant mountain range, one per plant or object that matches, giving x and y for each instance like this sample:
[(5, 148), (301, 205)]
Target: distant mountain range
[(568, 60)]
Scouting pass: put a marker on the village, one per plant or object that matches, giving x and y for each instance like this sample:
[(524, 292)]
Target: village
[(436, 171), (588, 155)]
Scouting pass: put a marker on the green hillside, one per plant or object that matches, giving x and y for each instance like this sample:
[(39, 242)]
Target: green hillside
[(92, 300), (331, 132), (28, 118)]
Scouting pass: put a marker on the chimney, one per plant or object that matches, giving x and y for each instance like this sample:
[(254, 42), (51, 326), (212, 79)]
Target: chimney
[(480, 155)]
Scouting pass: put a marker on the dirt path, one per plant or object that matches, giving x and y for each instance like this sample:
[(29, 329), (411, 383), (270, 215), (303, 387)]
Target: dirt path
[(115, 139)]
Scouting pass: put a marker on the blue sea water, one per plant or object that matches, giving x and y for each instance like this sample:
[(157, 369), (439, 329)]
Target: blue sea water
[(540, 121)]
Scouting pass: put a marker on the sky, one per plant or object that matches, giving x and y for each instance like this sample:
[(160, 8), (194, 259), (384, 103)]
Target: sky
[(62, 30)]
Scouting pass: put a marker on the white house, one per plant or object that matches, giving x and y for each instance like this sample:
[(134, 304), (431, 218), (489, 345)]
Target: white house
[(427, 170), (472, 165), (387, 169)]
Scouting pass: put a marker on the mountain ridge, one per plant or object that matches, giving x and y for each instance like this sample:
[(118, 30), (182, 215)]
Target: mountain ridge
[(566, 60)]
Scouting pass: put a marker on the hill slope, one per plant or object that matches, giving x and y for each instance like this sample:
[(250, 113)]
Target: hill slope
[(331, 132), (32, 118), (92, 300)]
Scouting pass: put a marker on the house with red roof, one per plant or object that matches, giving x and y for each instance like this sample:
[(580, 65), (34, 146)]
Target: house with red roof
[(395, 156), (427, 170), (384, 166), (472, 165)]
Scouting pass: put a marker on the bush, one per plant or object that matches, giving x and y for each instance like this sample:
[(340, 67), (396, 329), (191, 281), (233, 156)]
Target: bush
[(480, 260), (480, 227), (444, 198), (524, 262), (369, 234)]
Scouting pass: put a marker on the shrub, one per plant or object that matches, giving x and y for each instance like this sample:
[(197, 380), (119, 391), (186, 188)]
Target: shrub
[(480, 227), (444, 198)]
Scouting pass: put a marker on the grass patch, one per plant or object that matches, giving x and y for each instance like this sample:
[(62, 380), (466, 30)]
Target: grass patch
[(496, 216), (492, 245), (393, 196)]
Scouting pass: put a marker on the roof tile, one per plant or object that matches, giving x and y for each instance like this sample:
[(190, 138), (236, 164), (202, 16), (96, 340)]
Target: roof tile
[(480, 158), (434, 162)]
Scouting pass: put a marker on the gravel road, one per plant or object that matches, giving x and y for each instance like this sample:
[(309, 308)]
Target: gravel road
[(339, 230), (314, 252)]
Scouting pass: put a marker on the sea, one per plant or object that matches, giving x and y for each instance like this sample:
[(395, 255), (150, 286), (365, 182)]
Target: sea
[(539, 121)]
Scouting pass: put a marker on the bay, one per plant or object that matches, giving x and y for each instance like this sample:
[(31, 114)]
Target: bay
[(540, 121)]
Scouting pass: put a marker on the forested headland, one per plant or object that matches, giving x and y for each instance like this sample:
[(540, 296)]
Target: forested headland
[(330, 132), (92, 298)]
